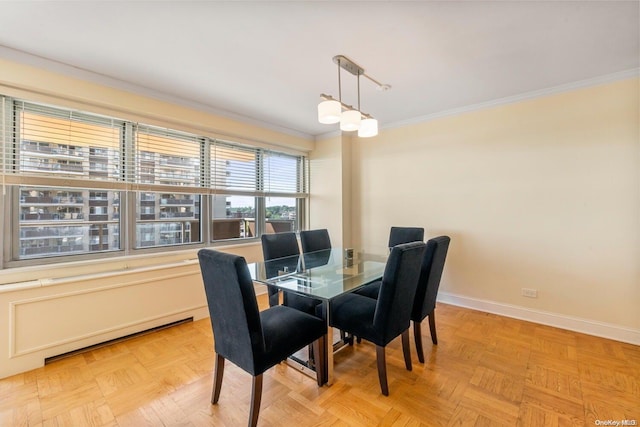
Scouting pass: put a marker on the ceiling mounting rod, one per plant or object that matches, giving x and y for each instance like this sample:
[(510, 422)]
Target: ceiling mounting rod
[(348, 65), (357, 70)]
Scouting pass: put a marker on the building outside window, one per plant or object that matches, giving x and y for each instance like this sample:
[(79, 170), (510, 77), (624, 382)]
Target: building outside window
[(167, 219)]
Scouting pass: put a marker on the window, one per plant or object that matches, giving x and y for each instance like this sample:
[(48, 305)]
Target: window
[(58, 221), (255, 191), (284, 183), (280, 214), (168, 161), (165, 219), (78, 184), (75, 149), (235, 181), (234, 217)]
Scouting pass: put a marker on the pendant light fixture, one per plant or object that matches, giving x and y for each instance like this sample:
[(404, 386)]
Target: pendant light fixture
[(332, 111), (329, 112)]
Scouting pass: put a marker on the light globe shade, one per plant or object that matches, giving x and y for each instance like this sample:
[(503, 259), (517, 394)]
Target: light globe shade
[(368, 128), (350, 120), (329, 112)]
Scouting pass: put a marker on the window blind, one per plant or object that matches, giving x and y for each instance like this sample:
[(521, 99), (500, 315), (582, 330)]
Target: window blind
[(64, 146), (252, 171), (164, 159), (67, 146), (234, 169), (4, 140), (284, 175)]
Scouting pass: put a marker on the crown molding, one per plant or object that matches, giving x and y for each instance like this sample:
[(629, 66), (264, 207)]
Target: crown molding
[(327, 135), (608, 78)]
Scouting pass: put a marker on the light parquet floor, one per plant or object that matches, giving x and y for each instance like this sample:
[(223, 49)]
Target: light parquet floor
[(487, 370)]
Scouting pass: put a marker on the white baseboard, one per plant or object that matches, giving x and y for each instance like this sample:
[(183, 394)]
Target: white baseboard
[(585, 326), (589, 327)]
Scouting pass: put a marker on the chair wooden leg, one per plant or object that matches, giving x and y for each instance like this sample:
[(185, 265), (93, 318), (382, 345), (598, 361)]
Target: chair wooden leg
[(218, 372), (406, 349), (382, 370), (217, 380), (432, 327), (319, 347), (346, 338), (256, 397), (417, 334)]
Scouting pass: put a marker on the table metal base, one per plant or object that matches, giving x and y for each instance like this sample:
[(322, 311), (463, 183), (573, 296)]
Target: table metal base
[(300, 361)]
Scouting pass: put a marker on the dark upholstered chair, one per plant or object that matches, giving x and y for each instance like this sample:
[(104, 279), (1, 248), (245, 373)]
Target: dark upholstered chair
[(253, 340), (399, 235), (316, 247), (381, 320), (424, 303), (315, 240), (280, 245), (275, 246)]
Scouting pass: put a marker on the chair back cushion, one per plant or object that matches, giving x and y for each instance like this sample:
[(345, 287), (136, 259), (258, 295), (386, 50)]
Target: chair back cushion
[(279, 245), (430, 275), (317, 258), (279, 266), (399, 235), (233, 307), (315, 240), (398, 289)]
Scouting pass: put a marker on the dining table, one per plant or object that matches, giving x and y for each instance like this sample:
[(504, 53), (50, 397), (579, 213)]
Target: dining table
[(322, 275)]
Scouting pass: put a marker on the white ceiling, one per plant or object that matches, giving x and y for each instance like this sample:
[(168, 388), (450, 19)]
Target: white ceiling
[(269, 61)]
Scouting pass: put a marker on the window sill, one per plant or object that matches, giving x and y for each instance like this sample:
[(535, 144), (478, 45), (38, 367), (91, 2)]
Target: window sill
[(19, 278)]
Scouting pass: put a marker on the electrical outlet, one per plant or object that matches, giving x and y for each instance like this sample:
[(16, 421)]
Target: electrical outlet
[(529, 293)]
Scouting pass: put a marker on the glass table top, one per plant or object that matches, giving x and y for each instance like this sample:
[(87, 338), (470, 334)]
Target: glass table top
[(323, 274)]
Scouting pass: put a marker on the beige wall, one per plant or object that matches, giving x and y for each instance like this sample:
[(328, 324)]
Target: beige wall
[(541, 194), (330, 184)]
